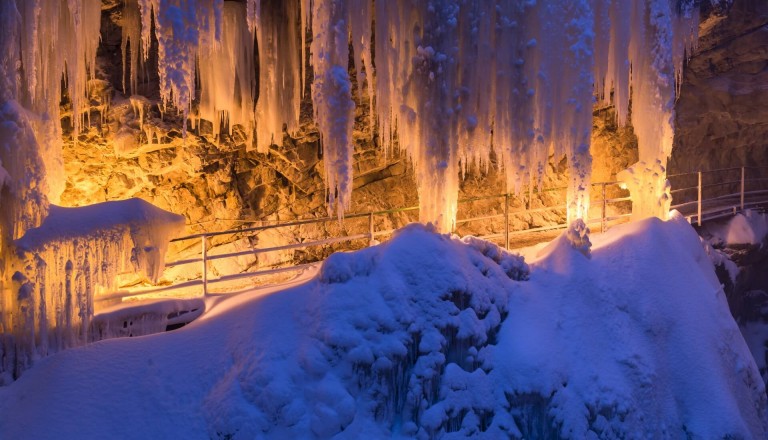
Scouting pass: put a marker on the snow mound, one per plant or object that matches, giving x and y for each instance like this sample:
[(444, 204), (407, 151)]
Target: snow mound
[(748, 228), (428, 336)]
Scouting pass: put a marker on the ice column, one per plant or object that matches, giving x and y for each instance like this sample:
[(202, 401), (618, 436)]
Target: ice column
[(417, 74), (56, 38), (661, 34), (131, 34), (332, 96)]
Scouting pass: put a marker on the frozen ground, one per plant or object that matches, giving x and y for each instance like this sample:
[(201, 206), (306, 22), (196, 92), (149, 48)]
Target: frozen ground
[(427, 336)]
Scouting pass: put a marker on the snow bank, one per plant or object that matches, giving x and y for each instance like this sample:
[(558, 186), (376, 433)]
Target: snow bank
[(750, 227), (429, 336), (72, 257)]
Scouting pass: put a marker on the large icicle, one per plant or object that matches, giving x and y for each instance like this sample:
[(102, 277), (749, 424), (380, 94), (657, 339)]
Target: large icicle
[(182, 27), (131, 34), (417, 79), (332, 98), (662, 32), (57, 38), (278, 35), (227, 75)]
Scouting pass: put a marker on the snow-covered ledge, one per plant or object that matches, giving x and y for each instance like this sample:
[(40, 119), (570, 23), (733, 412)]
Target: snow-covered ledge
[(75, 255)]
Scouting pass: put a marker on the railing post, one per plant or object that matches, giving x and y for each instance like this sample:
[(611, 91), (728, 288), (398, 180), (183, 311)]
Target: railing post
[(370, 229), (603, 221), (205, 266), (506, 221), (742, 188), (699, 201)]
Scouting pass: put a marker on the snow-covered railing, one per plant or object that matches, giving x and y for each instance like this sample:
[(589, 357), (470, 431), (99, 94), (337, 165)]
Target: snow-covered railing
[(729, 192), (371, 235), (697, 210)]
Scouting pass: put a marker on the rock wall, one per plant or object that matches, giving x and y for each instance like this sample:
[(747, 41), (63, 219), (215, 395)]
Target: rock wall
[(722, 117)]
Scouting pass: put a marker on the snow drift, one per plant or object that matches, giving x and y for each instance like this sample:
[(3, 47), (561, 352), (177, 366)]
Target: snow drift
[(428, 336)]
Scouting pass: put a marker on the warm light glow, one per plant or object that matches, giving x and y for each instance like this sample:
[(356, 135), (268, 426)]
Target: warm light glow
[(648, 188)]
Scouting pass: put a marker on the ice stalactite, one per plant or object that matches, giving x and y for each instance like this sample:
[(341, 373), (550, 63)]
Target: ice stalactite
[(278, 34), (64, 264), (22, 173), (227, 75), (416, 83), (567, 42), (131, 34), (57, 39), (332, 98), (531, 102), (652, 39), (182, 28), (535, 99)]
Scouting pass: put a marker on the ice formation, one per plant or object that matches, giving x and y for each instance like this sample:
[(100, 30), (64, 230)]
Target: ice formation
[(226, 74), (332, 97), (543, 64), (430, 98), (48, 41), (278, 35), (182, 27), (73, 256)]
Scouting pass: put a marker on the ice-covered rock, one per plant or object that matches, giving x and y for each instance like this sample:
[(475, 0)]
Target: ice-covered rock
[(62, 266)]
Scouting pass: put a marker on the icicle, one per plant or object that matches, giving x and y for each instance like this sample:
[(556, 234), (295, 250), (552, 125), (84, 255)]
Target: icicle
[(227, 75), (279, 102), (332, 98), (182, 27), (132, 32)]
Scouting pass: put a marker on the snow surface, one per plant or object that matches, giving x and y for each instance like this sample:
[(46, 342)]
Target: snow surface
[(430, 336)]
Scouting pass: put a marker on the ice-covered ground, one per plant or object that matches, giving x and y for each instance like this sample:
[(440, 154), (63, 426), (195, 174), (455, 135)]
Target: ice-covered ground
[(427, 336)]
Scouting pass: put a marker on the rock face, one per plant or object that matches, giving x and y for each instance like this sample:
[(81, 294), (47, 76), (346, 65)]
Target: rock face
[(722, 118)]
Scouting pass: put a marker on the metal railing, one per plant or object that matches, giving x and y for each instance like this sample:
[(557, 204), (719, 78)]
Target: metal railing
[(729, 191), (700, 209)]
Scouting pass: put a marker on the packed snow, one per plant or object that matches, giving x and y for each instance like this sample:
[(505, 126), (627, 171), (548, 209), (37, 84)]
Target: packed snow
[(623, 335)]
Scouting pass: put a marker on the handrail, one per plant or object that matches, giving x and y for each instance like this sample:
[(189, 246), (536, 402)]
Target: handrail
[(372, 233)]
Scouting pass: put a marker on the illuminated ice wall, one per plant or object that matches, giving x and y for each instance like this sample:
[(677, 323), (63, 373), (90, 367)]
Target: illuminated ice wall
[(453, 79), (448, 80)]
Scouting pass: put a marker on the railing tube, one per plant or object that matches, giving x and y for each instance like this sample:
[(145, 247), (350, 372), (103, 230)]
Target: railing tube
[(205, 266), (742, 187), (603, 215), (506, 221), (698, 204), (370, 230)]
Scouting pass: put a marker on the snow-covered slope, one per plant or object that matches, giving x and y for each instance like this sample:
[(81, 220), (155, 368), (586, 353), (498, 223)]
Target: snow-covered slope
[(428, 336)]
